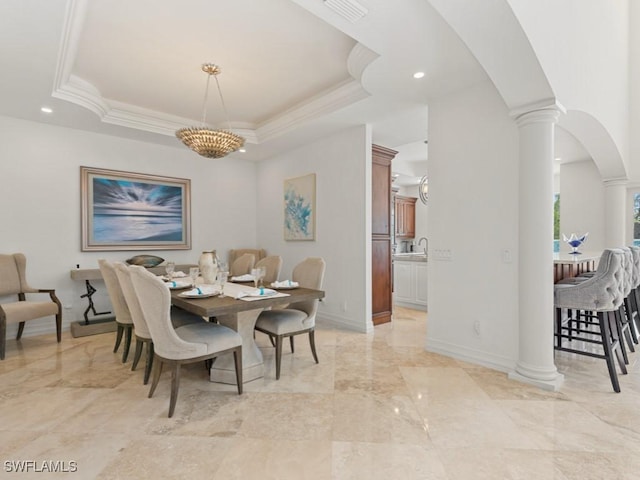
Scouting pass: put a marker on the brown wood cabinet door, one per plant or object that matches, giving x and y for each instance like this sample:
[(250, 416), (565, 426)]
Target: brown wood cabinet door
[(410, 219), (381, 281), (381, 199), (381, 294), (405, 216)]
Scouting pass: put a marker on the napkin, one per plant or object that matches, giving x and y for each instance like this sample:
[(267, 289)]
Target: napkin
[(175, 275), (178, 284), (285, 284), (247, 277), (256, 292), (202, 290)]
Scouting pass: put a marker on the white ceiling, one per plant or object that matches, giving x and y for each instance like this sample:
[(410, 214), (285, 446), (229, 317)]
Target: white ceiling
[(293, 71)]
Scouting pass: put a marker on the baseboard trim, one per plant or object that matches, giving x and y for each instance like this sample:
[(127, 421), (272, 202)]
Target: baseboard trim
[(478, 357)]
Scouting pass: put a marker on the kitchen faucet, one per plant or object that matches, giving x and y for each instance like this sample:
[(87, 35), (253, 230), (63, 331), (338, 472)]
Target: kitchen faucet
[(426, 244)]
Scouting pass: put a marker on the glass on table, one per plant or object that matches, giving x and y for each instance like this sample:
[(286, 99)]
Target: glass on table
[(193, 273), (262, 272), (222, 279), (170, 268)]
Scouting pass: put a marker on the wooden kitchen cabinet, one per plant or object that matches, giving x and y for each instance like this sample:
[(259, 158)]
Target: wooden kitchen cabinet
[(381, 273), (405, 216)]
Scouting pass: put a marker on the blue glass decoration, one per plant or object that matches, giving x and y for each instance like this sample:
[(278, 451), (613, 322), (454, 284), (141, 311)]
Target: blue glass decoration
[(574, 242)]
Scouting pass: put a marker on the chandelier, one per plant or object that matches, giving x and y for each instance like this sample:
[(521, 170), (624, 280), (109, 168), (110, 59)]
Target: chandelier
[(205, 141)]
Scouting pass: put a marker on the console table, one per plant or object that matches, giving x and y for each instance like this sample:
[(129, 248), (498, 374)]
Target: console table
[(103, 324)]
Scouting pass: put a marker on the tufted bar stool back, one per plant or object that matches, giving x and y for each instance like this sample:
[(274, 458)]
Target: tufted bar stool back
[(624, 315), (594, 302), (634, 296)]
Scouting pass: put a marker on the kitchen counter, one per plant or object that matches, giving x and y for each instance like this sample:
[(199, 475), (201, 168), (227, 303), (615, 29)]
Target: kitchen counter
[(409, 257)]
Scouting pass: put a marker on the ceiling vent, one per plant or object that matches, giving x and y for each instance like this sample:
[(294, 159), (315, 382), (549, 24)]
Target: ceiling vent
[(348, 9)]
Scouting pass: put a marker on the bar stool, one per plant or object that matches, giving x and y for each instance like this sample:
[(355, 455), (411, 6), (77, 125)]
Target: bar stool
[(624, 315), (602, 295), (633, 296)]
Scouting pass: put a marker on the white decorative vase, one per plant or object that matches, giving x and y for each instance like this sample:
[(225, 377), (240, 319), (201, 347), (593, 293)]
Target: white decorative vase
[(208, 264)]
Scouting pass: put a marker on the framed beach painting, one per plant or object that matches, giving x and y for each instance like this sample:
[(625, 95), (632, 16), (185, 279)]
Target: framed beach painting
[(300, 208), (134, 211)]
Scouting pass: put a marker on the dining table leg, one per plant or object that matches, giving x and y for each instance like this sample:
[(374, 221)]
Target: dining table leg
[(223, 368)]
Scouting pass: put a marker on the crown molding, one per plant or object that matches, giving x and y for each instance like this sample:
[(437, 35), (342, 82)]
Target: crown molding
[(76, 90), (341, 96), (359, 59)]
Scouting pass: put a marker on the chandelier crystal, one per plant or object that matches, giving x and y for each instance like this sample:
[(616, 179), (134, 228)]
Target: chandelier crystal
[(205, 141)]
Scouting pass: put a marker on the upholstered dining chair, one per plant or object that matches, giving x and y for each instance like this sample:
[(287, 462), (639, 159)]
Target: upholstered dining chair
[(297, 318), (13, 281), (186, 344), (242, 265), (179, 318), (273, 265), (258, 253), (124, 322)]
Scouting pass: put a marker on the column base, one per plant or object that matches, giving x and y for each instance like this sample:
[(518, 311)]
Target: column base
[(550, 382)]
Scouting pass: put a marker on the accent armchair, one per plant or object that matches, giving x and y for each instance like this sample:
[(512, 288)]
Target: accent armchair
[(13, 281)]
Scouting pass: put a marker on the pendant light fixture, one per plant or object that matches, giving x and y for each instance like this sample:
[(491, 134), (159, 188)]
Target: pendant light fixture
[(205, 141)]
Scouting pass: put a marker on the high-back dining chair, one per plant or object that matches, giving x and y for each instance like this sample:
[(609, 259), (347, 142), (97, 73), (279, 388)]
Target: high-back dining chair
[(298, 317), (13, 281), (177, 346), (273, 266), (242, 265), (143, 336), (124, 322), (258, 253)]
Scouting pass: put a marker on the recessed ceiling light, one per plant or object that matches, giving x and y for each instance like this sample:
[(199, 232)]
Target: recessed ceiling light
[(557, 159), (242, 150), (46, 110), (418, 75)]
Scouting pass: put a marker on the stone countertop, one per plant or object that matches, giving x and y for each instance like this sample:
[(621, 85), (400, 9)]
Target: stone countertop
[(409, 257)]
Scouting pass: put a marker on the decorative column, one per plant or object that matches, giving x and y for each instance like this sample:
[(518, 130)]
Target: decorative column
[(615, 210), (535, 363)]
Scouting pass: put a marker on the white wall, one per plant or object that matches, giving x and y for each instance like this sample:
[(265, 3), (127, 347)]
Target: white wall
[(473, 205), (583, 48), (40, 171), (342, 164), (582, 204)]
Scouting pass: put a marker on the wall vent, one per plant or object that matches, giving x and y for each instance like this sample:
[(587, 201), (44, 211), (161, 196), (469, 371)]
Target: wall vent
[(349, 9)]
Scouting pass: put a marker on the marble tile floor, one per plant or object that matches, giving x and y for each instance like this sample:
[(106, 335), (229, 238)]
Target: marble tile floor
[(376, 407)]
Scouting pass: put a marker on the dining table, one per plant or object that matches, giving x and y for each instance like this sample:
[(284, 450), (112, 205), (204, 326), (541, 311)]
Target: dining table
[(240, 314)]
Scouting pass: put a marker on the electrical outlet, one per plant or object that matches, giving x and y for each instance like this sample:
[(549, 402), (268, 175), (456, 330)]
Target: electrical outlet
[(443, 254), (476, 327), (506, 256)]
